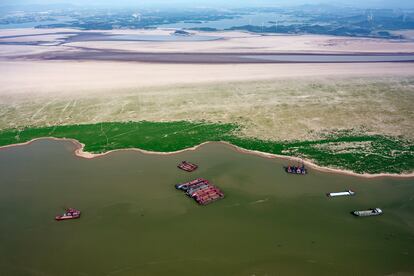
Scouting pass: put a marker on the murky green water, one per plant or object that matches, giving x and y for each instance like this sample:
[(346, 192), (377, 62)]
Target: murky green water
[(135, 223)]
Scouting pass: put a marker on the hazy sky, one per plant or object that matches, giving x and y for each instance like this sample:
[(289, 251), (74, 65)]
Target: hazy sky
[(224, 3)]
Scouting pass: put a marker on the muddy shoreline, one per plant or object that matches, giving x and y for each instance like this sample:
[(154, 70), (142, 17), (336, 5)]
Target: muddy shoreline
[(79, 152)]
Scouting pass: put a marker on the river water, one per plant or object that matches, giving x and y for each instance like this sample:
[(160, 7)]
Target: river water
[(135, 223)]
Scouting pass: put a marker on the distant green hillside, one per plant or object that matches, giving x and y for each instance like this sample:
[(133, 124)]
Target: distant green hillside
[(346, 150)]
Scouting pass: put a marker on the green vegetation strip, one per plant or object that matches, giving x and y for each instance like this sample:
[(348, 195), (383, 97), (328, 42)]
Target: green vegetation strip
[(345, 150)]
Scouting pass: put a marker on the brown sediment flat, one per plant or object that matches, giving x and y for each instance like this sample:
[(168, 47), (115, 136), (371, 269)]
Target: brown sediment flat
[(88, 54), (79, 151)]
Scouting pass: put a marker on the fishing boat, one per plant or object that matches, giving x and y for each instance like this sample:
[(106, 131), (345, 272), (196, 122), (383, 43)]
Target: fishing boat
[(187, 166), (70, 213), (368, 213), (296, 169), (346, 193)]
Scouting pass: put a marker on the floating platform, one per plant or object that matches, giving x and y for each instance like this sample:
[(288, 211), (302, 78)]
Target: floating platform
[(70, 213), (187, 166), (296, 169), (201, 190), (336, 194), (368, 213)]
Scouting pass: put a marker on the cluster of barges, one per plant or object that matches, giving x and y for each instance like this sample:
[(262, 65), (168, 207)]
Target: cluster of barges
[(201, 190), (296, 169), (363, 213), (187, 166)]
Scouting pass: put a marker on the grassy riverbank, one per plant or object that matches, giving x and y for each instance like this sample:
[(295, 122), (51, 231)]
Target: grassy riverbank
[(344, 150)]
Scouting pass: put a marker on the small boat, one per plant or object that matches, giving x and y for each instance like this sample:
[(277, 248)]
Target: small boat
[(347, 193), (70, 213), (296, 169), (187, 166), (368, 213)]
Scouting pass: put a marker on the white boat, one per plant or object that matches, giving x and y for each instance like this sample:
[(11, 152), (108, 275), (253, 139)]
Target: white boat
[(367, 213), (346, 193)]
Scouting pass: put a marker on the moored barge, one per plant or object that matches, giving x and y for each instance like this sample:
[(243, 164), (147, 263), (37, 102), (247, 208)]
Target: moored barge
[(187, 166), (201, 190), (296, 169), (368, 213)]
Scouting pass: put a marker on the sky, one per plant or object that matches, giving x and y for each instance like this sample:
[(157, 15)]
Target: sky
[(223, 3)]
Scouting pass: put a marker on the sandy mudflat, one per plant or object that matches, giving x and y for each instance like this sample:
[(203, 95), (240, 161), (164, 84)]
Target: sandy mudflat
[(246, 43), (162, 47), (230, 42), (23, 68), (77, 77)]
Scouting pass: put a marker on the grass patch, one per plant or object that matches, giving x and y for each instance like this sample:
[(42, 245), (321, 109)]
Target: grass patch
[(345, 150)]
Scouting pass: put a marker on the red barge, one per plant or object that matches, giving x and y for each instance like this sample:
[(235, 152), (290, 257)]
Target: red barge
[(187, 166), (70, 213), (201, 190)]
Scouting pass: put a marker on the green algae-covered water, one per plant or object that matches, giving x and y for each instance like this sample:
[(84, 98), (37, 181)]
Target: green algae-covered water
[(135, 223)]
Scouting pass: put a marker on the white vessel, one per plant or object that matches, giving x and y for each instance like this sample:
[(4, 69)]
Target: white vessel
[(367, 213), (346, 193)]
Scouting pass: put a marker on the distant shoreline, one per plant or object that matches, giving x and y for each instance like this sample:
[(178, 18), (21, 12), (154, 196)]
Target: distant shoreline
[(79, 152)]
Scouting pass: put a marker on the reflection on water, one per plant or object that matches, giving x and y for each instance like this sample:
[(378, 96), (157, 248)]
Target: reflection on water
[(135, 223)]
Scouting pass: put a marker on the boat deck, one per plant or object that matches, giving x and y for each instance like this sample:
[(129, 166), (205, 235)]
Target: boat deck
[(187, 166)]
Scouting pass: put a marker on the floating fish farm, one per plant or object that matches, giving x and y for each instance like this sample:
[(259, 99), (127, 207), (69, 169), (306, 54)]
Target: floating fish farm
[(201, 190)]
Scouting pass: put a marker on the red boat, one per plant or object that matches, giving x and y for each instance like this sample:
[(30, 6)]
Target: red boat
[(70, 213), (187, 166)]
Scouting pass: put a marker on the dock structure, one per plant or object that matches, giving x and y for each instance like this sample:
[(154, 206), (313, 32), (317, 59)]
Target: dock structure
[(201, 190), (187, 166)]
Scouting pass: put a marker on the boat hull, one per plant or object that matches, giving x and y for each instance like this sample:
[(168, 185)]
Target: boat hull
[(58, 218), (70, 213), (338, 194), (368, 213)]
